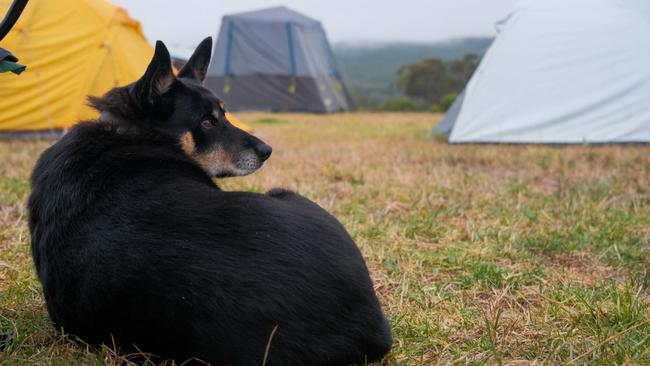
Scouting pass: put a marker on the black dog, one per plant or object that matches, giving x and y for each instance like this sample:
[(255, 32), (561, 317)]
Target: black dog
[(136, 246)]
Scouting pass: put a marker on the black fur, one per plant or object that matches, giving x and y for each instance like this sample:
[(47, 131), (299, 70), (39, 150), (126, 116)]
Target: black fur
[(135, 245)]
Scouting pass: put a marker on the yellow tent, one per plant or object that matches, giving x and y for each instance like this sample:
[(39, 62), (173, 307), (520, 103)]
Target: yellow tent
[(72, 48)]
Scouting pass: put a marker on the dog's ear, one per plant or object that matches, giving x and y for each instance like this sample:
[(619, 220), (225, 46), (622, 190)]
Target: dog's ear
[(197, 66), (157, 80)]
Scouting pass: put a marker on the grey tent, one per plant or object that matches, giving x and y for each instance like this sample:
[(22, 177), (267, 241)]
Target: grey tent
[(276, 60)]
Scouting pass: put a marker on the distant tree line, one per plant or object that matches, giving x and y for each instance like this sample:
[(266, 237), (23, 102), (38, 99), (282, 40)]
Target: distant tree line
[(432, 84)]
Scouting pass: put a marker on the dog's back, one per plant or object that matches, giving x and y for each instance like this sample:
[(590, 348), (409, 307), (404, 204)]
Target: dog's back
[(134, 244)]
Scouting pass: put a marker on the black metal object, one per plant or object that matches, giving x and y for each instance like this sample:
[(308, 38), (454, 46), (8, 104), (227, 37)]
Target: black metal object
[(9, 62), (6, 55), (12, 17), (6, 341)]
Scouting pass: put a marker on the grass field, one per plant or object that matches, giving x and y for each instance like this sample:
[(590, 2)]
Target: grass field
[(480, 254)]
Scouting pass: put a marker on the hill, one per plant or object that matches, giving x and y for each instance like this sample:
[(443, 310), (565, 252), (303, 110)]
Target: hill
[(369, 68)]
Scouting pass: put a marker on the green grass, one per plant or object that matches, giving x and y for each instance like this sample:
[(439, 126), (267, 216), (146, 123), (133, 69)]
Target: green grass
[(269, 121), (481, 255)]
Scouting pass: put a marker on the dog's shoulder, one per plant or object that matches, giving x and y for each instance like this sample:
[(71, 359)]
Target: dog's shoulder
[(93, 148), (94, 162)]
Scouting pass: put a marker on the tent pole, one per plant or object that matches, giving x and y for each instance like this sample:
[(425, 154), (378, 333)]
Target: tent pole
[(292, 57), (226, 66)]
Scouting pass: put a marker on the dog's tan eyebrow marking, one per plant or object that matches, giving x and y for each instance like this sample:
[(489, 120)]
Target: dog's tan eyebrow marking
[(187, 143)]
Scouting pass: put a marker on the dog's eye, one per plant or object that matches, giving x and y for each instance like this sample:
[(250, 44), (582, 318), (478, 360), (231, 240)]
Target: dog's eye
[(207, 124)]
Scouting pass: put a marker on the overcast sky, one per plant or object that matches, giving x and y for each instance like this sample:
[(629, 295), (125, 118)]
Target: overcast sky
[(184, 23)]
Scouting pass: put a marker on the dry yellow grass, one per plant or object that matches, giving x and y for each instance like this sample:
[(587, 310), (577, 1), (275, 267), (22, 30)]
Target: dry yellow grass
[(480, 254)]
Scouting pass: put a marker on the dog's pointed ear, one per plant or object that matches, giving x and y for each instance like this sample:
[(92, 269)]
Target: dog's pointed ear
[(197, 66), (157, 80)]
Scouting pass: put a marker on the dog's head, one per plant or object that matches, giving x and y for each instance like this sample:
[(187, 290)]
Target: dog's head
[(181, 108)]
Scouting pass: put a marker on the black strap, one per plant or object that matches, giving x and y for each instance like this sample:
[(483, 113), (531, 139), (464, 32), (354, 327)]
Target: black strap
[(12, 17)]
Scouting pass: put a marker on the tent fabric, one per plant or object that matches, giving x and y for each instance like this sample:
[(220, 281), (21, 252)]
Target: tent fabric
[(278, 14), (238, 123), (561, 71), (276, 60), (73, 48)]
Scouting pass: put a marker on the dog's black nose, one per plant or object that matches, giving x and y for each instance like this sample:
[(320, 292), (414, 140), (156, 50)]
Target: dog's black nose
[(263, 151)]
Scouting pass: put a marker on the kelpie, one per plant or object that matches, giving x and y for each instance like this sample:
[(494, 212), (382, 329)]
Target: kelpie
[(136, 246)]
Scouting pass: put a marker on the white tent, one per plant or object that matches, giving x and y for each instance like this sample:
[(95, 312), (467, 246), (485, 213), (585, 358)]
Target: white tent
[(561, 71)]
